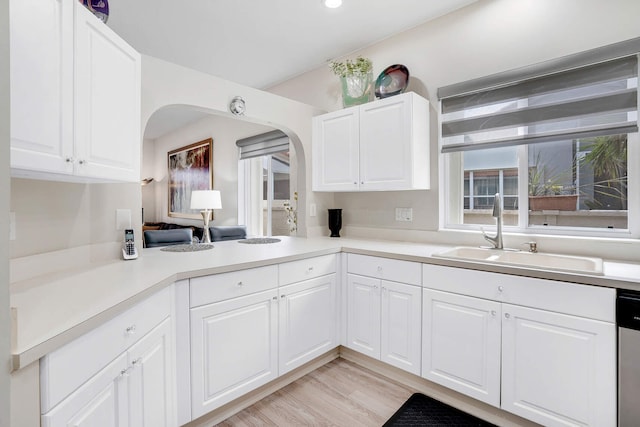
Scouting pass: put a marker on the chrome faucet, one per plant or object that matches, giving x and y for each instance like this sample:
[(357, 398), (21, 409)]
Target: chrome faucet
[(497, 214)]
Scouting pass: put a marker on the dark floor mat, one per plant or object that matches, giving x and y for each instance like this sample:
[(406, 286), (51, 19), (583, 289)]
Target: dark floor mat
[(420, 410)]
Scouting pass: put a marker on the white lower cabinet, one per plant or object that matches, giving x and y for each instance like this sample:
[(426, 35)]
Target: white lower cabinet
[(383, 321), (553, 368), (134, 390), (558, 370), (248, 327), (363, 315), (101, 402), (151, 385), (234, 349), (308, 321), (461, 344)]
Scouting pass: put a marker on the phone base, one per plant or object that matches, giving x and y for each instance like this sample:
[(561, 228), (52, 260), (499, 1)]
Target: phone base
[(129, 256)]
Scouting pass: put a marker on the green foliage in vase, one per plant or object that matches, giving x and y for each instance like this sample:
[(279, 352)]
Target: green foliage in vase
[(349, 68)]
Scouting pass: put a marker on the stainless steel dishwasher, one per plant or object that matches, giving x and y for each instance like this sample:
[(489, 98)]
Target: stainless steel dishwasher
[(628, 316)]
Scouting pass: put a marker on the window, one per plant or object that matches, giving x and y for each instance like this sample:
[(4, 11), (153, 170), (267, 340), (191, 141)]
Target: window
[(264, 170), (553, 139)]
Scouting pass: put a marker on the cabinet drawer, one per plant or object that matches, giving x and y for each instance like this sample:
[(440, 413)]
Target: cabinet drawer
[(305, 269), (569, 298), (385, 268), (65, 369), (218, 287)]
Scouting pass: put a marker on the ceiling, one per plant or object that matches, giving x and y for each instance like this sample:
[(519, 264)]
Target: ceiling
[(260, 43)]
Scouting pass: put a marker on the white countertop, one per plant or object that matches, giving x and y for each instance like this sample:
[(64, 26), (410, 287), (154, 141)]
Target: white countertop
[(50, 311)]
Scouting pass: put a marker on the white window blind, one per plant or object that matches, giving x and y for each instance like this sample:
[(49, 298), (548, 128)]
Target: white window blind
[(594, 93), (260, 145)]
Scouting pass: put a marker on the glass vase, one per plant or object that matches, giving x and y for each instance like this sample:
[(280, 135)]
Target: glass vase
[(356, 89)]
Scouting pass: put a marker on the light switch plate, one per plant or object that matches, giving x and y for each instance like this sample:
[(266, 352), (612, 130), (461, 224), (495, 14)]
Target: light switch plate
[(404, 214), (312, 209)]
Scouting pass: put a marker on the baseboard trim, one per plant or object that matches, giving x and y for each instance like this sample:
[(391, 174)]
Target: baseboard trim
[(472, 406), (222, 413)]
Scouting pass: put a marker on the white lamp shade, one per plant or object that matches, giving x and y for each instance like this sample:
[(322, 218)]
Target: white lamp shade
[(205, 199)]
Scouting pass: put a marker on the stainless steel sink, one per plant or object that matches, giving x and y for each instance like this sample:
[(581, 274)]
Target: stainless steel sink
[(544, 261)]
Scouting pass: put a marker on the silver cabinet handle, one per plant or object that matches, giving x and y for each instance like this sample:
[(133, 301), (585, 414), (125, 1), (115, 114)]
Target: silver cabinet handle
[(125, 372), (69, 160), (282, 296), (275, 298), (240, 283), (137, 361), (130, 330), (500, 288), (493, 313), (82, 162), (507, 315)]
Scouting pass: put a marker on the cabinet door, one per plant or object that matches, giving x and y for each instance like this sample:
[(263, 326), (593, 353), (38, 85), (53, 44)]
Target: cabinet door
[(41, 70), (233, 349), (151, 380), (385, 144), (401, 325), (461, 344), (101, 402), (335, 151), (558, 370), (363, 315), (308, 326), (107, 102)]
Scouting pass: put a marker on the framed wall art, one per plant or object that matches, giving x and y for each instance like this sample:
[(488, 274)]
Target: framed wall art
[(190, 168)]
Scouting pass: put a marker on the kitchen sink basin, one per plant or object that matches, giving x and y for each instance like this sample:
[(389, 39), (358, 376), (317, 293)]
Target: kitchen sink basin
[(544, 261)]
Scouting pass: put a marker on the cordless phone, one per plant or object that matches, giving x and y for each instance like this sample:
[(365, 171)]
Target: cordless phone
[(129, 250)]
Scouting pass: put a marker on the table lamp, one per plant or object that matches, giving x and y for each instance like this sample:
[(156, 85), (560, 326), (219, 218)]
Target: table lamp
[(207, 200)]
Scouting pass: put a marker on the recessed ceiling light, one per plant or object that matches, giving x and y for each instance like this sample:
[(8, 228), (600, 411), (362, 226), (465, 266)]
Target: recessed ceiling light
[(332, 4)]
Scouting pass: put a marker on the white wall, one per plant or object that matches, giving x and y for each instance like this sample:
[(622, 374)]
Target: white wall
[(486, 37), (54, 216), (224, 132), (5, 322), (165, 84)]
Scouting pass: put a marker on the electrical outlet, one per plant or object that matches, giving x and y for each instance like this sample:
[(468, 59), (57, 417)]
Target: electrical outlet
[(12, 226), (404, 214)]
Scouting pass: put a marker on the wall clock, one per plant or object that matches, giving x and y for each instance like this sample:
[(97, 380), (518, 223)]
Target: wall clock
[(237, 106)]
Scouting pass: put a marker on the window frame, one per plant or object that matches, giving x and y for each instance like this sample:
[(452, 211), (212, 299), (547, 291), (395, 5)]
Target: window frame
[(448, 182)]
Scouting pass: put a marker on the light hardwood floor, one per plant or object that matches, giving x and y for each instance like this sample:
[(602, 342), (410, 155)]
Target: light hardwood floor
[(339, 393)]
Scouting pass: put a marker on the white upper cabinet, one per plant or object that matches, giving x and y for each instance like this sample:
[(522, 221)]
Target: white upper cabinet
[(335, 151), (41, 85), (379, 146), (75, 95), (107, 102)]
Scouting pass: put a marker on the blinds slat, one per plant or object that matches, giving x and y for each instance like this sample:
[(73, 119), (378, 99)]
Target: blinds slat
[(260, 145), (627, 48), (594, 100), (623, 68), (590, 132), (621, 102)]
